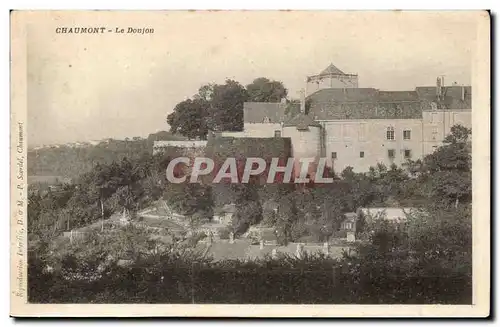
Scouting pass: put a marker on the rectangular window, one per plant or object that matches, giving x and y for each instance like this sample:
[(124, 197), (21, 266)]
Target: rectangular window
[(334, 155), (277, 133), (390, 153), (407, 154), (390, 134), (362, 154), (434, 117), (406, 135)]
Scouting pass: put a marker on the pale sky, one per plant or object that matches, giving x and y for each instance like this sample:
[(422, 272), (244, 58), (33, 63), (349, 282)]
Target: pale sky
[(87, 87)]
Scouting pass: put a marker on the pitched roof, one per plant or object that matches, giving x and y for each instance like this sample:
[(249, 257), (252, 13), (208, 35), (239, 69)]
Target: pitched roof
[(451, 99), (364, 103), (331, 70), (257, 112), (389, 96), (343, 95), (301, 121), (291, 110), (387, 213)]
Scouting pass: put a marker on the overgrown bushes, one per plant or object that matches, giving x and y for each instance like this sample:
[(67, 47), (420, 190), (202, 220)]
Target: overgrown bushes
[(314, 280)]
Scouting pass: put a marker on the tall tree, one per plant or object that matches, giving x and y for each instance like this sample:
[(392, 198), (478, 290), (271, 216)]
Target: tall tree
[(189, 118), (215, 106), (226, 106), (205, 92), (248, 207), (264, 90), (447, 171), (193, 200)]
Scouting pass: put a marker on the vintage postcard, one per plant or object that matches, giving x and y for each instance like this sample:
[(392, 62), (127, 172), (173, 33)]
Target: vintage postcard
[(250, 163)]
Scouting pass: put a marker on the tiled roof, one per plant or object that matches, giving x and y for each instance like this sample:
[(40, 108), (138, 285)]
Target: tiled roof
[(390, 96), (387, 213), (344, 95), (364, 103), (451, 99), (373, 110), (257, 112), (301, 121), (332, 70), (291, 110)]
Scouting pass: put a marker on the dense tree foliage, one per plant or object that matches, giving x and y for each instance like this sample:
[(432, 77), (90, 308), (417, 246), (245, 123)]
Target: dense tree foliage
[(220, 106), (190, 118), (108, 188), (215, 107), (226, 106), (248, 207), (264, 90), (192, 200)]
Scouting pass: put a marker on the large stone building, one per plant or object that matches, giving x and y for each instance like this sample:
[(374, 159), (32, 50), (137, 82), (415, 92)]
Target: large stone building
[(360, 127)]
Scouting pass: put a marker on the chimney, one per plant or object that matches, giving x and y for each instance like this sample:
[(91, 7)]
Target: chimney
[(438, 87), (302, 101), (463, 93), (261, 244)]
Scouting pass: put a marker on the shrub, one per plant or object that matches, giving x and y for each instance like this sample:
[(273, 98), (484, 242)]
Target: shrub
[(195, 238), (298, 231), (223, 233)]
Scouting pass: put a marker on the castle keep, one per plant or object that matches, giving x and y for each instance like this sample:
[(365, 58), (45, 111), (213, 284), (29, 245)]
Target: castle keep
[(360, 127), (353, 126)]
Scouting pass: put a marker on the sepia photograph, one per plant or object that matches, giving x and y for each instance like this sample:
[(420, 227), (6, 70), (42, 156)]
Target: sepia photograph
[(319, 163)]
